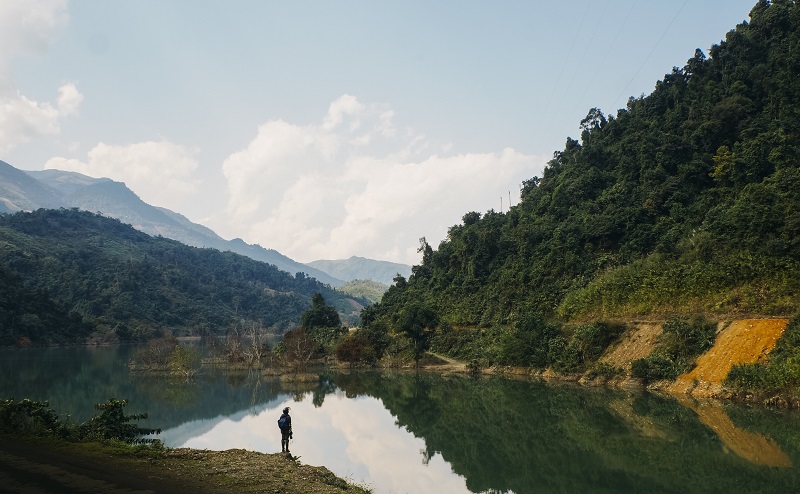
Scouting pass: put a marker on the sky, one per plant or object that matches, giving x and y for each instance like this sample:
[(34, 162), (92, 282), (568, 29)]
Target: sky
[(357, 439), (327, 129)]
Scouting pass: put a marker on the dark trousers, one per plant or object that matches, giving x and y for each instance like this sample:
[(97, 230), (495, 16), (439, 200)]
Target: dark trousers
[(285, 435)]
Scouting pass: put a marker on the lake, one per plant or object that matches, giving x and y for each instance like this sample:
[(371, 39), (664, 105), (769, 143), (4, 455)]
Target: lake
[(400, 432)]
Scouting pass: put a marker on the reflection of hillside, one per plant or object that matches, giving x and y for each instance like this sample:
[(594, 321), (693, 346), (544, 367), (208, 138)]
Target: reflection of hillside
[(754, 448), (172, 402), (177, 436), (522, 436), (643, 425), (73, 380)]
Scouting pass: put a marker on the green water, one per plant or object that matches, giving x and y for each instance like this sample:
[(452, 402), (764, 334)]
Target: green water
[(403, 432)]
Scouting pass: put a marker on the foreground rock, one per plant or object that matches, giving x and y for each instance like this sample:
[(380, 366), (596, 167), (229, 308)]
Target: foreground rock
[(43, 466)]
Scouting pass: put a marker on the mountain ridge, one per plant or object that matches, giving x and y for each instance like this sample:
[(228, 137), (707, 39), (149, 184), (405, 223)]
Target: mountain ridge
[(23, 190), (362, 268)]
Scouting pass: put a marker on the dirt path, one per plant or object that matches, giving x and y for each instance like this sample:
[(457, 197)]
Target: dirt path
[(449, 365)]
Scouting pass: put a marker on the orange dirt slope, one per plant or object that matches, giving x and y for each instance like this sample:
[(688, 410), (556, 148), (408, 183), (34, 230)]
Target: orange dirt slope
[(742, 342)]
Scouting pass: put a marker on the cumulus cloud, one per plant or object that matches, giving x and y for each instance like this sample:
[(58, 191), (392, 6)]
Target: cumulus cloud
[(159, 172), (29, 27), (355, 185), (22, 119)]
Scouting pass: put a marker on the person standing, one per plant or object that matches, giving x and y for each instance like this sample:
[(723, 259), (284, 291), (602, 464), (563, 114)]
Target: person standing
[(285, 425)]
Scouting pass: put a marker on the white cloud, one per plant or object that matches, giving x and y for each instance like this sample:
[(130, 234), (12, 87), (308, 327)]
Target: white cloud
[(69, 99), (29, 27), (353, 185), (159, 172)]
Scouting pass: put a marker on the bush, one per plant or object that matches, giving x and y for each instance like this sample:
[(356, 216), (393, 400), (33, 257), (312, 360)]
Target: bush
[(604, 370), (779, 373), (30, 417), (658, 366), (356, 349), (35, 418), (680, 343), (529, 344), (184, 360), (112, 424)]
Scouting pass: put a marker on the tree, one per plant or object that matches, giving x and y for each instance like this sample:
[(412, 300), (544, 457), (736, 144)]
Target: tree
[(297, 349), (417, 322), (321, 322), (320, 315)]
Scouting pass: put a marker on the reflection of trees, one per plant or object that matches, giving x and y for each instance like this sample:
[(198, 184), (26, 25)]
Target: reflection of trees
[(180, 394), (325, 387), (524, 436)]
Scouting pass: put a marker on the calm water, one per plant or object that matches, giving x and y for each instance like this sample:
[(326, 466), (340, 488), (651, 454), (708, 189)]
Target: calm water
[(406, 433)]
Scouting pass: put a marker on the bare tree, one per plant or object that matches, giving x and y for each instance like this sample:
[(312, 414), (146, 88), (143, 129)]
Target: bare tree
[(298, 349), (257, 351)]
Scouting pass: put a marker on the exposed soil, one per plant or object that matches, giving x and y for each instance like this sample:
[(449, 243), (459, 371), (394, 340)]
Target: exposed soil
[(635, 343), (742, 342)]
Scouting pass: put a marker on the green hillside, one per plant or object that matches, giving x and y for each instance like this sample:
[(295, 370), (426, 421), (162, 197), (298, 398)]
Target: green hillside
[(127, 285), (369, 290), (686, 201)]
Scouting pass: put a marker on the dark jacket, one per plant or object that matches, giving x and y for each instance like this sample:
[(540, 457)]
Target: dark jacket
[(288, 427)]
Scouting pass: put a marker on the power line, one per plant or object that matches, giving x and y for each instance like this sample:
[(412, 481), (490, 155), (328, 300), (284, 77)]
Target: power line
[(610, 47), (651, 51)]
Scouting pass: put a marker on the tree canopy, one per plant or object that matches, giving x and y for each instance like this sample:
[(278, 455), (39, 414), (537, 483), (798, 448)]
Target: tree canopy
[(87, 269), (687, 200)]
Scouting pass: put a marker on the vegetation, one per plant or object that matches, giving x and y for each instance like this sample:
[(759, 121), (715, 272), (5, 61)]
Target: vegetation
[(372, 291), (111, 447), (29, 417), (686, 201), (678, 346), (67, 272), (780, 374)]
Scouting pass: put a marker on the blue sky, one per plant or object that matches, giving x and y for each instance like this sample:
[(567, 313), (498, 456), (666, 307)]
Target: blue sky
[(325, 129)]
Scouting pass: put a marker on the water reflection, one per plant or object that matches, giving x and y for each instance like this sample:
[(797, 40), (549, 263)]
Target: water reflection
[(753, 447), (426, 433)]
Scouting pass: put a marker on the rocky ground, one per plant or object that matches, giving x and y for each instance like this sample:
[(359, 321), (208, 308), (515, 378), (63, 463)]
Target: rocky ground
[(34, 466)]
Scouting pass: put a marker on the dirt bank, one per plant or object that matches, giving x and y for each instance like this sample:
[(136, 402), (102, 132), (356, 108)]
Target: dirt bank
[(737, 342), (741, 342), (29, 466)]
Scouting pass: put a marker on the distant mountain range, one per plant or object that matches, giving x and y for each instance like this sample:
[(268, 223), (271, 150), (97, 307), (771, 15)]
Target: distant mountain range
[(22, 190), (360, 268)]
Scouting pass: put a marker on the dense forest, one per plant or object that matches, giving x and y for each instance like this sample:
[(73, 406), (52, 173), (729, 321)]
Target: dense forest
[(686, 201), (67, 274)]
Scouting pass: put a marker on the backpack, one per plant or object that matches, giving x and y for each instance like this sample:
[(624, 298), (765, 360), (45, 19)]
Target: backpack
[(283, 422)]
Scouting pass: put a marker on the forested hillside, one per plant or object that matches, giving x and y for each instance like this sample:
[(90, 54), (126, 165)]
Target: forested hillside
[(68, 272), (686, 201)]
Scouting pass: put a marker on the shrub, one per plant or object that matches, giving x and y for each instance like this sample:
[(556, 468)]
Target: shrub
[(184, 360), (680, 343), (111, 423), (604, 370), (354, 349), (779, 373), (30, 417)]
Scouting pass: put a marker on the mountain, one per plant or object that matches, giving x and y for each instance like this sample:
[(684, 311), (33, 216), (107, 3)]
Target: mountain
[(686, 201), (73, 266), (19, 191), (53, 189), (360, 268)]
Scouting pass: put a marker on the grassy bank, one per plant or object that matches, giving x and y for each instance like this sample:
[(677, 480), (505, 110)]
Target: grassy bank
[(40, 464)]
